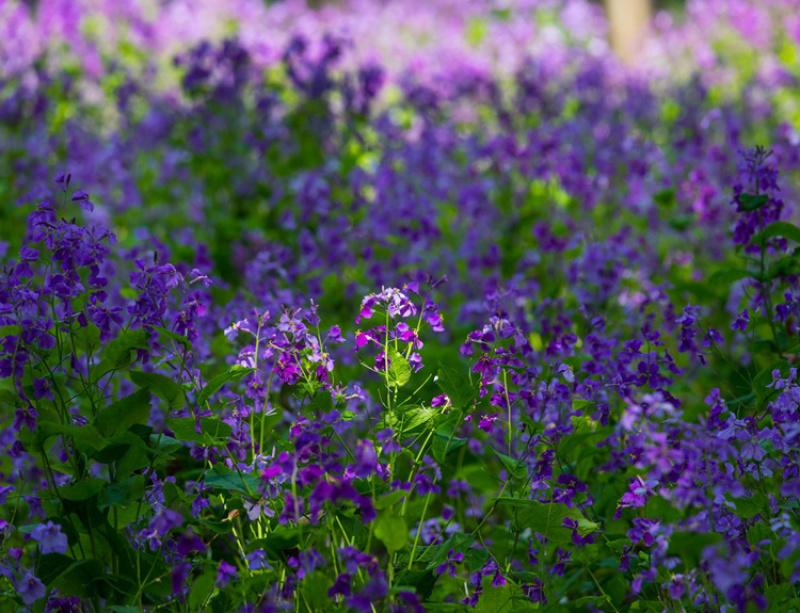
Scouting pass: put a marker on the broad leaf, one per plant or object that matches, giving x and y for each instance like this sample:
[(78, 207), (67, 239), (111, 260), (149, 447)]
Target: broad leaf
[(456, 385), (236, 373), (163, 387), (122, 414)]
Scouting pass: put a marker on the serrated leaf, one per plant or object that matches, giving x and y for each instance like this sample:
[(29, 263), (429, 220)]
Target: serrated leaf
[(121, 494), (748, 508), (778, 228), (227, 479), (392, 531), (729, 276), (173, 336), (234, 374), (122, 414), (417, 417), (456, 385), (516, 469), (85, 438), (546, 518), (689, 546), (184, 429), (399, 369), (749, 202), (163, 387), (201, 588), (118, 351), (445, 443), (83, 490)]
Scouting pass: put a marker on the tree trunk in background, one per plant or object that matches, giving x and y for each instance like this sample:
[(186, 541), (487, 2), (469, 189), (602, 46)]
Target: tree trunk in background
[(627, 20)]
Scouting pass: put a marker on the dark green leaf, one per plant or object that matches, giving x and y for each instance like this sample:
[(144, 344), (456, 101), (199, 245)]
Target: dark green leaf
[(689, 546), (728, 276), (546, 519), (665, 198), (86, 438), (457, 386), (83, 490), (213, 427), (236, 373), (749, 202), (748, 508), (445, 443), (173, 336), (118, 351), (227, 479), (201, 588), (121, 415), (122, 494), (516, 469), (778, 228), (163, 387)]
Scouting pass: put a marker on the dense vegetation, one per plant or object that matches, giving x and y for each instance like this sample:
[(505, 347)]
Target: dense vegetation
[(297, 330)]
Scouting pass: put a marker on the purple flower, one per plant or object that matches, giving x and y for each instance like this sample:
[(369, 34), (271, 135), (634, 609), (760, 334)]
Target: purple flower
[(366, 460), (50, 538), (742, 321), (165, 521), (82, 197), (449, 566), (190, 543), (178, 575), (30, 589), (225, 573), (257, 560)]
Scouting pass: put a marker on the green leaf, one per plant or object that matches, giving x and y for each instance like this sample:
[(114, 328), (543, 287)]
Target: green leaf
[(87, 338), (681, 222), (122, 494), (417, 417), (778, 228), (728, 276), (787, 265), (118, 351), (173, 336), (390, 499), (212, 427), (748, 508), (163, 387), (164, 445), (86, 438), (546, 518), (122, 414), (689, 546), (457, 386), (227, 479), (83, 490), (399, 369), (202, 587), (71, 578), (392, 531), (422, 582), (516, 469), (234, 374), (749, 202), (665, 198), (443, 435)]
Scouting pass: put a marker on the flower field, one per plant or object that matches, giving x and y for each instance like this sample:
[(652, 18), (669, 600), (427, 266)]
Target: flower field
[(397, 306)]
